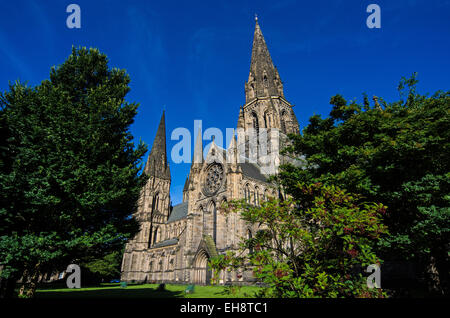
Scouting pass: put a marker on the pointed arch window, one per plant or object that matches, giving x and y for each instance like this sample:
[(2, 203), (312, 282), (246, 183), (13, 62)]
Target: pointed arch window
[(266, 195), (149, 244), (202, 213), (155, 235), (266, 119), (283, 121), (247, 193), (213, 212), (255, 122), (266, 82), (152, 233), (155, 202)]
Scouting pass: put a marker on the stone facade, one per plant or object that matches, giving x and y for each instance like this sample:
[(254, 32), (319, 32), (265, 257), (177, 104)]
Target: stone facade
[(175, 243)]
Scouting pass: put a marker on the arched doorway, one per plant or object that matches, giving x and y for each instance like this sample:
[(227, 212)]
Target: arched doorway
[(202, 273)]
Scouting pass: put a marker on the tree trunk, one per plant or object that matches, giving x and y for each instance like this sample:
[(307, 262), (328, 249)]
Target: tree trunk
[(23, 282), (435, 283), (29, 282), (438, 271), (32, 288)]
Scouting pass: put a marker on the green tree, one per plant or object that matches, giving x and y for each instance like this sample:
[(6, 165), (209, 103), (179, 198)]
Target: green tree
[(395, 153), (315, 246), (105, 268), (69, 169)]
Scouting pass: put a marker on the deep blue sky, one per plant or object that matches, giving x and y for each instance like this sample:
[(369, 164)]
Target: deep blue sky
[(194, 56)]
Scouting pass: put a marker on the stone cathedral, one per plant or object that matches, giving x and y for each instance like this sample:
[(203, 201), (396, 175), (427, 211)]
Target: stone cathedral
[(175, 242)]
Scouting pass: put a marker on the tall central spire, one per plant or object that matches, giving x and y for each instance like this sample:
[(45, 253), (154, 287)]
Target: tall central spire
[(265, 105), (157, 164), (263, 80)]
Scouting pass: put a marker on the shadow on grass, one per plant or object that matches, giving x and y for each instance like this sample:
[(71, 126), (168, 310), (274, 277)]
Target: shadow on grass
[(114, 290), (146, 292)]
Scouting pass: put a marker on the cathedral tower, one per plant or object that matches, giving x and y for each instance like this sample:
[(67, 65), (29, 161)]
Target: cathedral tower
[(156, 200), (265, 104), (153, 206)]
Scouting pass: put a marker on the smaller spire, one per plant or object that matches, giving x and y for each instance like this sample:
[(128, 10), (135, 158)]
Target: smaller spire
[(233, 141), (232, 150), (186, 184), (157, 164), (241, 119)]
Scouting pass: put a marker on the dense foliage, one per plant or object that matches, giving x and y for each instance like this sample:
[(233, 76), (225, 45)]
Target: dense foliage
[(315, 246), (69, 169), (105, 268), (395, 153)]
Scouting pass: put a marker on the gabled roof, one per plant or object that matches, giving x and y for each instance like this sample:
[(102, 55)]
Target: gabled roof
[(179, 212), (166, 243), (251, 170)]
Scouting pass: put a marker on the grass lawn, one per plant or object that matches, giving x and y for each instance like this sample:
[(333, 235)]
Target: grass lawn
[(145, 291)]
